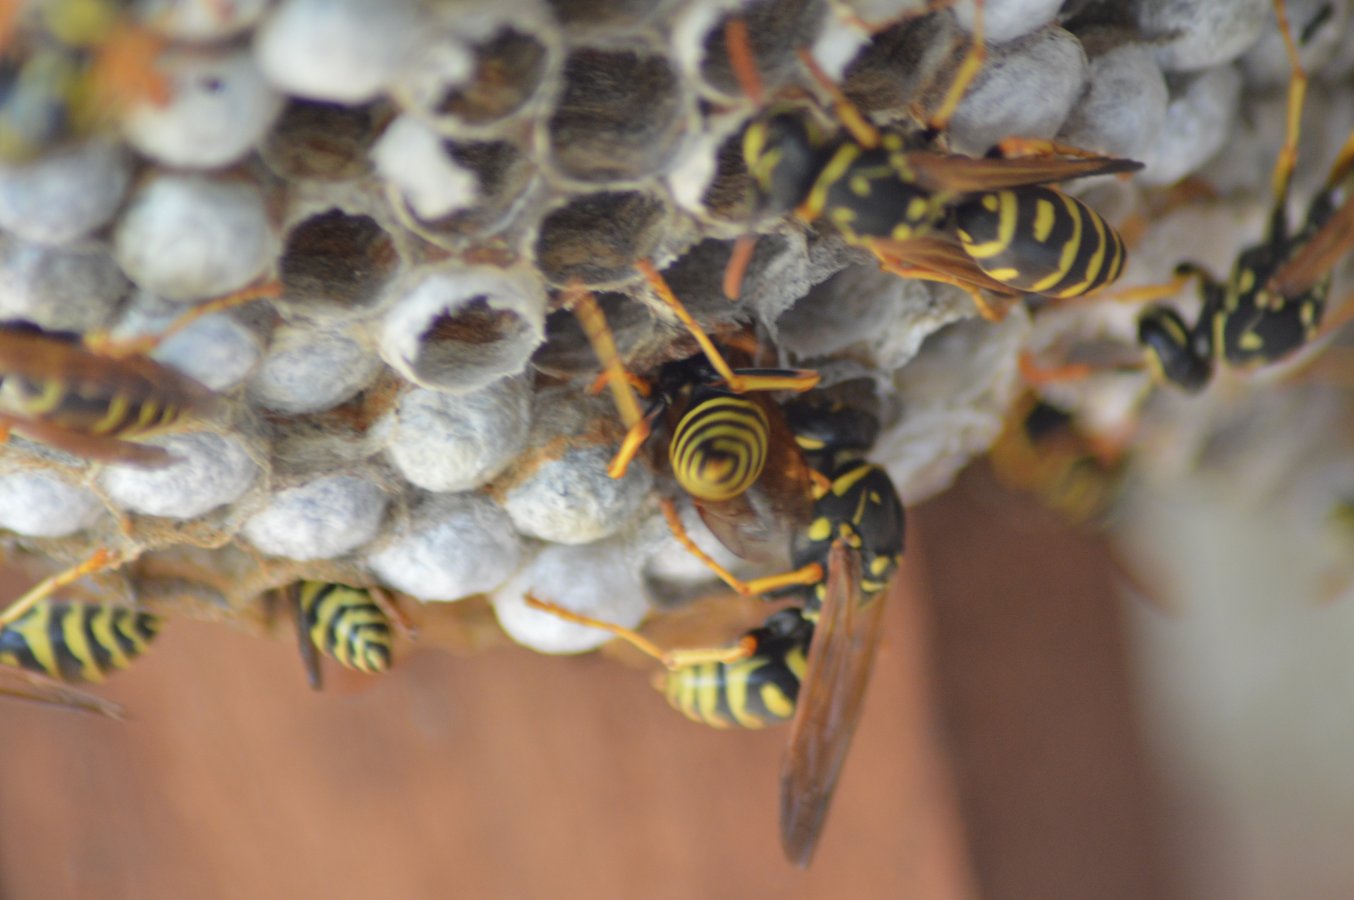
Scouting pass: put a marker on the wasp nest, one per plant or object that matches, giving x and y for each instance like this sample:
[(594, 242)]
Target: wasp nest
[(427, 179)]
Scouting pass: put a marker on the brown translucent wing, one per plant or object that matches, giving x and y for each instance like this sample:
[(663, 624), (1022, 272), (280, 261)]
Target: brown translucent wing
[(954, 172), (1319, 255), (20, 684), (941, 255), (88, 446), (831, 697), (38, 356), (757, 524)]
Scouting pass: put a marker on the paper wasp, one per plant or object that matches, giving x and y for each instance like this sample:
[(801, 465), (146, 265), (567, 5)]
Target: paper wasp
[(51, 646), (94, 398), (981, 224), (1274, 300), (846, 529), (1042, 450), (349, 625)]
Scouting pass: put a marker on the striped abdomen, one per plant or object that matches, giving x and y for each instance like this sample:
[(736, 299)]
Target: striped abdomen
[(754, 692), (76, 641), (719, 447), (1040, 240), (347, 625), (92, 408)]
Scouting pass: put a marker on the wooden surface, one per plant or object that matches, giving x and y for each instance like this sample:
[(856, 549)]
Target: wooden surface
[(515, 775)]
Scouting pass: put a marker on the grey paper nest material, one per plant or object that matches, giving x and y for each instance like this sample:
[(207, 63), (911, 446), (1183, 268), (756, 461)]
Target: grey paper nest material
[(424, 178)]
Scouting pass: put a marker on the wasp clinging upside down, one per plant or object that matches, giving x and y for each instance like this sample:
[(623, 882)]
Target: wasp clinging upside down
[(982, 224), (349, 625), (95, 401), (846, 528), (1273, 302)]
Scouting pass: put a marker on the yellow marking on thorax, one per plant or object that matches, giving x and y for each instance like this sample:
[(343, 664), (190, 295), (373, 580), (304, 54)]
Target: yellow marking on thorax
[(834, 170)]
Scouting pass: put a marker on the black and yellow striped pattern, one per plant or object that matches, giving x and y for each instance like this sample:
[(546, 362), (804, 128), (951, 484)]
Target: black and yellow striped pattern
[(750, 693), (719, 446), (1040, 240), (862, 508), (76, 642), (347, 625), (89, 408)]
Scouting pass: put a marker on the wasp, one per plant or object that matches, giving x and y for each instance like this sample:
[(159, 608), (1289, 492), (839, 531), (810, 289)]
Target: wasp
[(349, 625), (93, 398), (1042, 450), (1273, 302), (981, 224), (69, 67), (76, 642), (809, 663)]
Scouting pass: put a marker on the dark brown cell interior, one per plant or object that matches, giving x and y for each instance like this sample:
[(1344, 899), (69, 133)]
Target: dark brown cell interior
[(503, 173), (775, 31), (325, 141), (595, 12), (474, 323), (730, 195), (508, 70), (597, 238), (617, 117), (337, 258)]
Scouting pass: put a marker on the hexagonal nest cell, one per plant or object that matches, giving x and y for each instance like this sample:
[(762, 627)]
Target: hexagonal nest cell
[(337, 261)]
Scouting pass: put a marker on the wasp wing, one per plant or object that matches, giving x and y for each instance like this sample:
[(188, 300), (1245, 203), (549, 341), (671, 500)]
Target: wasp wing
[(1318, 255), (89, 446), (954, 172), (831, 696), (942, 256), (36, 688)]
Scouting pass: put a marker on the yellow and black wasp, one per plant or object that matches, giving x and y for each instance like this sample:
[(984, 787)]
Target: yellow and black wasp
[(54, 645), (94, 398), (68, 68), (349, 625), (810, 663), (77, 642), (982, 224), (1273, 302), (1043, 451)]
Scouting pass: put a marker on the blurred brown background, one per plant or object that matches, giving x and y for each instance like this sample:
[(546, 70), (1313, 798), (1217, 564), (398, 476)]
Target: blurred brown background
[(999, 757)]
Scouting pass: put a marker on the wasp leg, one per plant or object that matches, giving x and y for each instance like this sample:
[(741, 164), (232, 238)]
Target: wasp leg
[(809, 574), (102, 343), (387, 605), (792, 380), (1297, 91), (103, 558), (123, 70), (737, 269), (1146, 293), (852, 119), (671, 659), (963, 79), (598, 333)]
